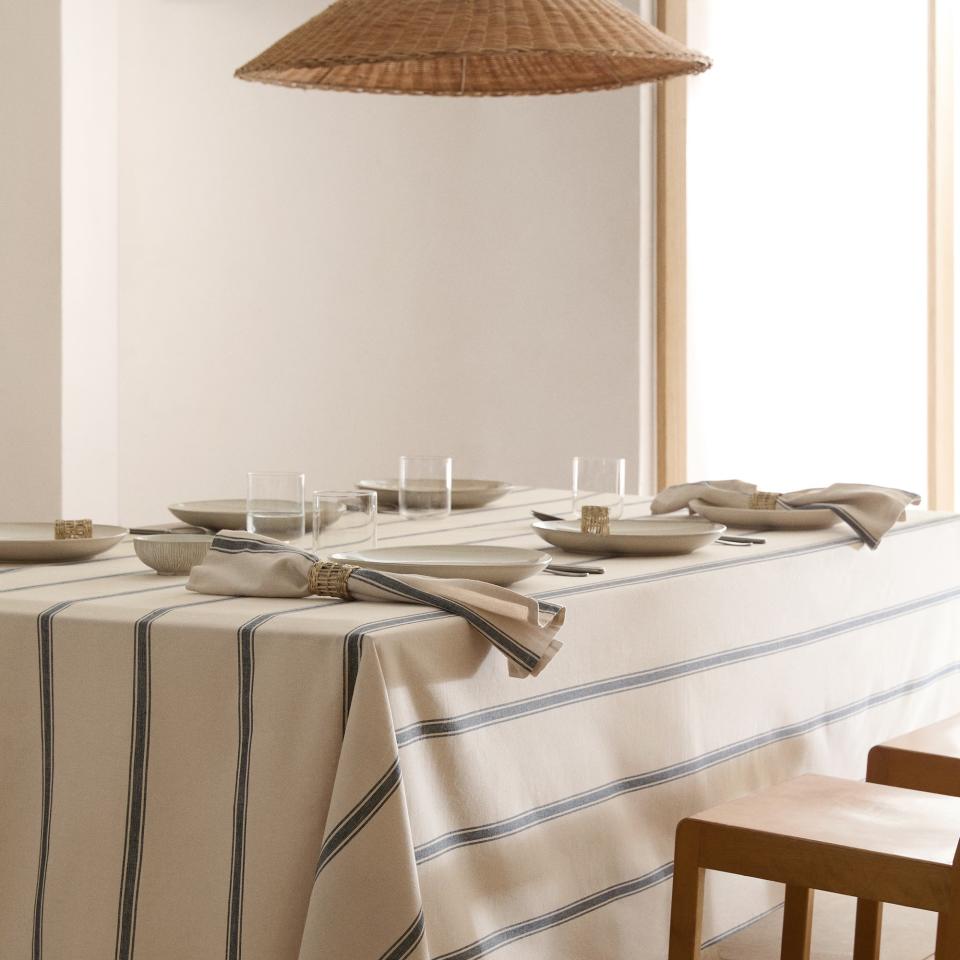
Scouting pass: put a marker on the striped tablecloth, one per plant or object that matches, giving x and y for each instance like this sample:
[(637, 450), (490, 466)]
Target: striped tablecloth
[(193, 777)]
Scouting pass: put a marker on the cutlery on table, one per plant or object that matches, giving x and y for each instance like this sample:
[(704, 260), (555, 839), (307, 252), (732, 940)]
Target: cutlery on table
[(576, 568), (726, 538)]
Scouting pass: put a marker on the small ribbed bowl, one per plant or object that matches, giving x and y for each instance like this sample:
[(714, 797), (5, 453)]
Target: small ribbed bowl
[(172, 553)]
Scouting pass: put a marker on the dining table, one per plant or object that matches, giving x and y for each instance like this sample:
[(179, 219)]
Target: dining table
[(192, 776)]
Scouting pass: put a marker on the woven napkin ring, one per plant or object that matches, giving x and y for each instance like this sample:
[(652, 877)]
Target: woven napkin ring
[(595, 520), (73, 529), (328, 579), (764, 501)]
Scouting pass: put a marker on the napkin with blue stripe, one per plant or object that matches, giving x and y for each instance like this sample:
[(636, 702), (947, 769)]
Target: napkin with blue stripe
[(241, 564), (870, 511)]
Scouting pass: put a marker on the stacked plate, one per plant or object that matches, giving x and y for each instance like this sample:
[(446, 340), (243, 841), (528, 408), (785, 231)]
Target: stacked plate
[(466, 494), (642, 537), (222, 514), (35, 543), (815, 519)]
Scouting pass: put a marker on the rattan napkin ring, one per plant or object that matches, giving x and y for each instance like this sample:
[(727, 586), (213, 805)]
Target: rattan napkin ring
[(329, 579), (595, 520), (73, 529), (760, 500)]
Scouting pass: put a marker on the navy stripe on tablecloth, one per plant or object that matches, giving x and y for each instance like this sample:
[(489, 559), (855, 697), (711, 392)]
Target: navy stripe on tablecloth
[(608, 791), (137, 781), (502, 713), (570, 911), (358, 816), (407, 942), (670, 574), (534, 925), (246, 635), (353, 646), (45, 671)]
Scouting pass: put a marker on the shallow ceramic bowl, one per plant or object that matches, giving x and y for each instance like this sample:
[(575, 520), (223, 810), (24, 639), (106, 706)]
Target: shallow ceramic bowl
[(172, 553)]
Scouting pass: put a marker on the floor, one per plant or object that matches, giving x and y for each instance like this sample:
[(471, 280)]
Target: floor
[(907, 934)]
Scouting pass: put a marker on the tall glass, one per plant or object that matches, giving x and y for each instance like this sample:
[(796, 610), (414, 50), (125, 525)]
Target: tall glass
[(426, 486), (275, 505), (599, 482), (344, 521)]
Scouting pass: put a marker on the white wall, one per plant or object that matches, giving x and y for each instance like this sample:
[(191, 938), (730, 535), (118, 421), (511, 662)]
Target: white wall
[(29, 259), (90, 282), (324, 281)]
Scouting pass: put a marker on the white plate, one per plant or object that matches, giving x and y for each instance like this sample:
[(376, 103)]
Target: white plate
[(501, 565), (466, 494), (643, 537), (35, 542), (224, 514), (767, 519)]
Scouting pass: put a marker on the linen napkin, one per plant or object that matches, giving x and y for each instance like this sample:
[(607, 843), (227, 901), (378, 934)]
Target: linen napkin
[(241, 564), (868, 510)]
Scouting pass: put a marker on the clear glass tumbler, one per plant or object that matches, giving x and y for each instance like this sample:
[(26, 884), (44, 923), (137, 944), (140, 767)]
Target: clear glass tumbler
[(600, 482), (343, 521), (426, 486), (275, 505)]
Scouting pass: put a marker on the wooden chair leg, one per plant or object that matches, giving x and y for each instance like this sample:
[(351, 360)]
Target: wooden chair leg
[(797, 923), (866, 939), (948, 936), (686, 910)]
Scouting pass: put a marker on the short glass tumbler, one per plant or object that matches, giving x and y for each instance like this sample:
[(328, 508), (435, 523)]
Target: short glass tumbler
[(599, 482), (343, 520), (426, 486), (275, 505)]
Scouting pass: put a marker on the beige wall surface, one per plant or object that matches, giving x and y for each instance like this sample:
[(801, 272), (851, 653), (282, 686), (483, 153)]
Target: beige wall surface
[(29, 259), (324, 281)]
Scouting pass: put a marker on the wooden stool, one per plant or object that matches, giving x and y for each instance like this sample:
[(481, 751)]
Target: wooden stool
[(880, 843), (927, 759)]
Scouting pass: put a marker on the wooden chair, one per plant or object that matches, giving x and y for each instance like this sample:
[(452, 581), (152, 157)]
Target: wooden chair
[(879, 843), (927, 759)]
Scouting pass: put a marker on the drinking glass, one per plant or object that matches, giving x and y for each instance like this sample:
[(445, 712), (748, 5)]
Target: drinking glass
[(426, 486), (275, 505), (600, 482), (343, 520)]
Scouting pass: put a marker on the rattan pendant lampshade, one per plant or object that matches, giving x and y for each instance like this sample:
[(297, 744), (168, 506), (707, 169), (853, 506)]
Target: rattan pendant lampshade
[(473, 48)]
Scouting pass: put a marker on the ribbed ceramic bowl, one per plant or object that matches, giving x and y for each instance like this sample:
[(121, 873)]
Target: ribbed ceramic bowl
[(172, 553)]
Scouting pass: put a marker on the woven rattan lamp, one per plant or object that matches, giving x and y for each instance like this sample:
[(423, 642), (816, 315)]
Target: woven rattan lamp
[(473, 48)]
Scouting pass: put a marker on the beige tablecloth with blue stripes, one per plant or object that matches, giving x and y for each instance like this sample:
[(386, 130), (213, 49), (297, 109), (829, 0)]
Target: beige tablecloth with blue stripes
[(196, 777)]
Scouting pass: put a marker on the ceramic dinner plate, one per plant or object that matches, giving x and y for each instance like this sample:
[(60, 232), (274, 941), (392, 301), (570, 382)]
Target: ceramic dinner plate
[(223, 514), (642, 537), (466, 494), (34, 542), (501, 565), (767, 519)]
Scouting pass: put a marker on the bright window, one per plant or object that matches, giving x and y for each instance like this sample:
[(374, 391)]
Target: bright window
[(807, 243)]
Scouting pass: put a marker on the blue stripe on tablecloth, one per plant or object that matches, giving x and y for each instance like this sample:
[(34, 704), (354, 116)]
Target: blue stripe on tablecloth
[(594, 901), (407, 942), (617, 788), (45, 671), (178, 582), (246, 635), (137, 782), (464, 723), (490, 523), (361, 812), (570, 911), (66, 563)]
